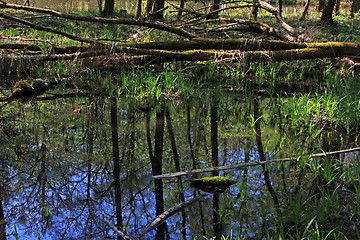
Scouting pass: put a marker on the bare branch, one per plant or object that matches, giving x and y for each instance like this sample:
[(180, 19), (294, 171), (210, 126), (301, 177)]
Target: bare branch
[(249, 164)]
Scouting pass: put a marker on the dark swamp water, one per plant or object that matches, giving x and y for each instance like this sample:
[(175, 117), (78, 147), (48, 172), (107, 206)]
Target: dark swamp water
[(75, 168)]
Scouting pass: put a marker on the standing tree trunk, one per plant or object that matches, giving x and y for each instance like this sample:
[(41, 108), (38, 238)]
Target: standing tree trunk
[(254, 10), (354, 8), (326, 18), (100, 7), (320, 6), (337, 7), (304, 13), (108, 8), (280, 7), (149, 6), (215, 5), (138, 9), (158, 13), (182, 4)]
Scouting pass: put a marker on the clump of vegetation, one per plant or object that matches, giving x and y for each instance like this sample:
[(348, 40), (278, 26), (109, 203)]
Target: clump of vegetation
[(216, 184), (29, 87)]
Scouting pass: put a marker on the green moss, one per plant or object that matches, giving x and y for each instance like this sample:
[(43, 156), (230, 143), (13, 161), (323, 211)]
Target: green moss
[(216, 184), (21, 87), (29, 87)]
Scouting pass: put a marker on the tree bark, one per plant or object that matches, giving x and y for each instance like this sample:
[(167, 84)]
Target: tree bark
[(254, 10), (108, 8), (320, 6), (304, 12), (138, 9), (158, 14), (355, 4), (215, 5), (327, 14)]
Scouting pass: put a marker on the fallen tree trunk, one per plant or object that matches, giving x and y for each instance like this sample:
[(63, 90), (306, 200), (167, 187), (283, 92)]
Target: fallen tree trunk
[(149, 24), (249, 164), (195, 55), (195, 49)]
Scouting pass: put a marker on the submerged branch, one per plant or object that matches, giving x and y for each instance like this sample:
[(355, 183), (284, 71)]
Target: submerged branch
[(249, 164), (168, 213)]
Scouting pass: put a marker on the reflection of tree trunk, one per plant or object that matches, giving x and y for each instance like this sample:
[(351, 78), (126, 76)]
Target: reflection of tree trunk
[(116, 161), (194, 164), (215, 160), (2, 220), (177, 168), (214, 134), (188, 130), (89, 150), (156, 163), (262, 155)]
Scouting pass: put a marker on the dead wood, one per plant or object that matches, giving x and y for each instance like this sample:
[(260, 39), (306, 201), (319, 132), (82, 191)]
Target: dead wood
[(37, 48), (198, 55), (195, 49), (278, 17), (133, 22), (250, 164), (47, 29)]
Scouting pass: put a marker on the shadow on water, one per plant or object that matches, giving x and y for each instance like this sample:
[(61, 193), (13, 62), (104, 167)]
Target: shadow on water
[(86, 174)]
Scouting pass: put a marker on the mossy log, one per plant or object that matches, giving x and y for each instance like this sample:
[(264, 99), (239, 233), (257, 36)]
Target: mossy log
[(216, 184), (306, 51), (27, 88)]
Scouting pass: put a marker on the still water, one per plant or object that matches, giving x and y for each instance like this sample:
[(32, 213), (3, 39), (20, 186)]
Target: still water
[(76, 168)]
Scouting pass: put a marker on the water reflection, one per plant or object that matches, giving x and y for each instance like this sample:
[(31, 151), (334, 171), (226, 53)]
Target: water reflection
[(84, 174)]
